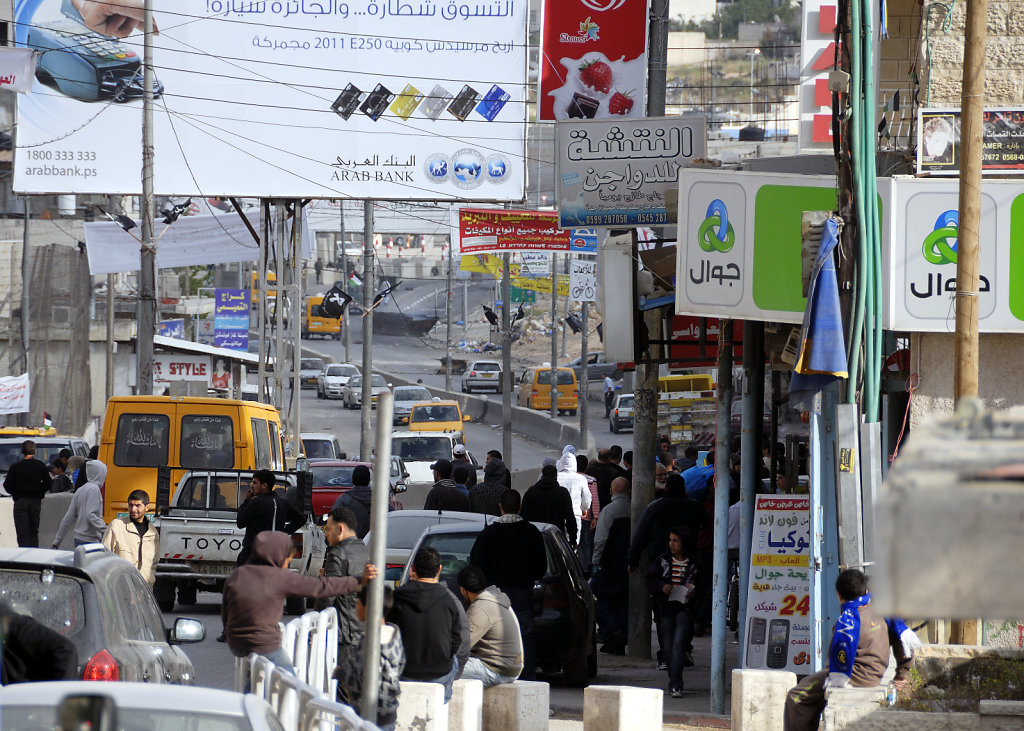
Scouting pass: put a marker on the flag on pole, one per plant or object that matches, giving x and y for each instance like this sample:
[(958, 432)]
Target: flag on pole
[(47, 422)]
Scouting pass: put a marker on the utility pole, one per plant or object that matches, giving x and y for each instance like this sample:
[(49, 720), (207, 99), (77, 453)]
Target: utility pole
[(448, 326), (965, 373), (506, 361), (645, 387), (110, 337), (554, 336), (295, 264), (584, 384), (346, 317), (720, 570), (366, 405), (146, 318)]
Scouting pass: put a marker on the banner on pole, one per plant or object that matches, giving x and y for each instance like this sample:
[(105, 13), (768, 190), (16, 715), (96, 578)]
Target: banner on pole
[(14, 394), (582, 280)]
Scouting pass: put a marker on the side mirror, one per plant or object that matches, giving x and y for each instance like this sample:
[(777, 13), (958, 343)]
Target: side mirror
[(465, 417), (96, 712), (400, 487), (187, 630), (301, 464)]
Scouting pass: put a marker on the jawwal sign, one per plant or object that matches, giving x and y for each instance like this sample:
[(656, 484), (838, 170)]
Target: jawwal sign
[(381, 99)]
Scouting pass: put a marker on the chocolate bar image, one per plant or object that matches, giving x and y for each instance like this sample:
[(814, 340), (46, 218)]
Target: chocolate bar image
[(582, 107)]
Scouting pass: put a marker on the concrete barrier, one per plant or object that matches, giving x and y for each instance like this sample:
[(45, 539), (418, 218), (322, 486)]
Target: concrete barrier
[(621, 708), (421, 707), (519, 706), (759, 698), (8, 536), (466, 707)]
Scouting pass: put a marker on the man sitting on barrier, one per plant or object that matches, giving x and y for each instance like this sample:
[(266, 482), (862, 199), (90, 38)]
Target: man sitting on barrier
[(496, 649)]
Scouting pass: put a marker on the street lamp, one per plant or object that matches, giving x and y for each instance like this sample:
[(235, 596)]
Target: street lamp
[(752, 55)]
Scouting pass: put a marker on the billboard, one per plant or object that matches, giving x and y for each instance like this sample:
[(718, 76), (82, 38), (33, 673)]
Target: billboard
[(296, 98), (231, 319), (817, 58), (938, 141), (624, 173), (593, 59), (496, 230)]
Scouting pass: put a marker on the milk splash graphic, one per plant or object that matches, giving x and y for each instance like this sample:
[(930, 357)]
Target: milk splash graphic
[(627, 76)]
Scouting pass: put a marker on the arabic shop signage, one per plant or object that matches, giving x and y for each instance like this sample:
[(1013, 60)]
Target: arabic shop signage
[(496, 230), (779, 614), (624, 172), (432, 95), (921, 255), (817, 58), (938, 141), (231, 319), (739, 251)]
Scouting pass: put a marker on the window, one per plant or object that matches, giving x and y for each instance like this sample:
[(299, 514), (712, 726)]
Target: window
[(54, 600), (136, 625), (319, 448), (435, 413), (421, 449), (486, 367), (207, 442), (332, 476), (544, 378), (261, 441), (378, 380), (141, 440), (454, 549), (196, 494), (275, 446)]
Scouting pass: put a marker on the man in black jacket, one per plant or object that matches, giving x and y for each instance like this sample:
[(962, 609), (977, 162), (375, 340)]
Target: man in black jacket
[(28, 480), (658, 518), (358, 499), (346, 555), (434, 627), (445, 494), (33, 651), (262, 510), (604, 471), (512, 555), (548, 502)]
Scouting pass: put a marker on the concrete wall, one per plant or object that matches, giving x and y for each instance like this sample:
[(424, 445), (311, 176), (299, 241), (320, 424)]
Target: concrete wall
[(685, 48), (899, 53)]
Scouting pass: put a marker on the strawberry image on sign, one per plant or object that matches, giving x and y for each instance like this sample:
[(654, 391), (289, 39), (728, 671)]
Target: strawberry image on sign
[(597, 75), (620, 103)]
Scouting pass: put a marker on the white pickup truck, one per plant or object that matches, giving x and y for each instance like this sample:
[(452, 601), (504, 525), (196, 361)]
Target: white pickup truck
[(199, 538)]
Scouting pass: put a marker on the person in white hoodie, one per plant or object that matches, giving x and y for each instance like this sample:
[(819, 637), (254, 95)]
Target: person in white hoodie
[(574, 482), (85, 514)]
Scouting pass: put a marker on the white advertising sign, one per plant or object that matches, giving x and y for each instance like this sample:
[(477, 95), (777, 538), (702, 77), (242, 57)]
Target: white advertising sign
[(624, 172), (582, 280), (778, 596), (174, 367), (921, 255), (17, 69), (377, 99), (14, 394), (535, 264)]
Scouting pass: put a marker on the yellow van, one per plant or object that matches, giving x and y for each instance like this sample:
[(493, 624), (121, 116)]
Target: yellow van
[(271, 279), (437, 415), (535, 390), (142, 433), (686, 388), (314, 324)]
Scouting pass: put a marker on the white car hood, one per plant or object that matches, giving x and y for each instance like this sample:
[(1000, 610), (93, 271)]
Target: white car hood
[(419, 472)]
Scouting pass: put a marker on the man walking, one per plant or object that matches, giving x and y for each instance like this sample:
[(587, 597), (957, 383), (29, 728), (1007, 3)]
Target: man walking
[(134, 538), (461, 457), (496, 648), (610, 582), (445, 494), (548, 502), (511, 553), (85, 514), (264, 510), (27, 481), (358, 499), (609, 395), (346, 555)]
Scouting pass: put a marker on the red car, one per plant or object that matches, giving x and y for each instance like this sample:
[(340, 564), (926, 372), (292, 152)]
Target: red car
[(332, 478)]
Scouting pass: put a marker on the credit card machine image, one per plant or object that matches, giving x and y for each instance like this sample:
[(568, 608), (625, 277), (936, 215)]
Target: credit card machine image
[(83, 64)]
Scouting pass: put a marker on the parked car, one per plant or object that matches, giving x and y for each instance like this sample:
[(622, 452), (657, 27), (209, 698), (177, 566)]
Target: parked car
[(565, 616), (333, 477), (48, 445), (30, 706), (101, 603), (405, 529), (597, 367), (320, 445), (482, 374), (330, 383), (352, 394), (621, 415), (309, 369), (405, 397)]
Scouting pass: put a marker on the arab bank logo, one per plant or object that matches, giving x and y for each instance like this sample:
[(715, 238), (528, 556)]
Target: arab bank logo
[(716, 233), (940, 245), (602, 5)]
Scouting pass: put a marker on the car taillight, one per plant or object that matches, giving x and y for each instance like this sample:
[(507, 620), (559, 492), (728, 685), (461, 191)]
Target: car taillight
[(535, 394), (472, 373), (575, 394), (616, 412), (297, 542), (556, 596), (101, 666)]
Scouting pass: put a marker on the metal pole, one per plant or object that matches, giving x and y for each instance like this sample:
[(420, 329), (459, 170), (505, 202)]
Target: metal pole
[(110, 337), (750, 450), (720, 573), (26, 278), (506, 362), (147, 275), (365, 432), (584, 384), (465, 307), (261, 302), (378, 544), (554, 336), (448, 327), (346, 321), (279, 267), (296, 324)]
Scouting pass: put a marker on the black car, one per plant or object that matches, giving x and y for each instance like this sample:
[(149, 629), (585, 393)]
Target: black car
[(102, 604), (564, 613)]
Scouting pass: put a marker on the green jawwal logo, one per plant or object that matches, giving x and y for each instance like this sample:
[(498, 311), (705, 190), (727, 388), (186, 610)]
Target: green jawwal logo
[(940, 245), (716, 233)]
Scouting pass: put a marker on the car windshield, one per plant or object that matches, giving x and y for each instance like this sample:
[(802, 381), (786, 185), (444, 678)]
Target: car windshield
[(454, 549), (378, 380), (404, 530), (412, 393), (319, 448), (311, 364), (24, 718), (342, 369), (355, 382), (11, 453), (437, 412), (421, 449), (337, 476), (564, 378), (626, 402), (54, 600), (486, 367)]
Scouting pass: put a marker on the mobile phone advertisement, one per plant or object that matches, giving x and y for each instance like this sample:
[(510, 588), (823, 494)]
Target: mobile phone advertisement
[(385, 99), (593, 59), (778, 632)]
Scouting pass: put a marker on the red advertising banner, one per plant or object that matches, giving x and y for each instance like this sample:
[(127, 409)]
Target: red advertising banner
[(686, 351), (593, 59), (495, 230)]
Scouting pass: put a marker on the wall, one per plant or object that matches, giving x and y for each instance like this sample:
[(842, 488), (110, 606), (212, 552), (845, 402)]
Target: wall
[(899, 56), (685, 48)]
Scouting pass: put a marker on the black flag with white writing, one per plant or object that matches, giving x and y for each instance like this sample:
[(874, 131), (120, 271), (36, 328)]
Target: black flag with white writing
[(334, 302)]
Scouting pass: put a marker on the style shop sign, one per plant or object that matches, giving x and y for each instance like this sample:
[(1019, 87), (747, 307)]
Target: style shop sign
[(183, 368)]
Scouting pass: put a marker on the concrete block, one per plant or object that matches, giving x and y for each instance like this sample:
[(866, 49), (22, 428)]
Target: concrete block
[(621, 708), (422, 708), (519, 706), (466, 707), (1001, 715), (861, 717), (873, 695), (8, 536), (759, 698)]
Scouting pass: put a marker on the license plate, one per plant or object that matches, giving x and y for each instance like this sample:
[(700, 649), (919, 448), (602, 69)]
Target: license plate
[(487, 375)]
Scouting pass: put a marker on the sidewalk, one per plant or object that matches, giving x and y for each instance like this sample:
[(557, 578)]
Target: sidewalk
[(690, 711)]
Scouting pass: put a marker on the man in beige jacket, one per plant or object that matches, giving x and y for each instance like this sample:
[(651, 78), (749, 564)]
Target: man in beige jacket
[(134, 538), (496, 647)]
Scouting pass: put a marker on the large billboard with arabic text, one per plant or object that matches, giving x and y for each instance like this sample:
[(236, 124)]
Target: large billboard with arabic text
[(385, 99)]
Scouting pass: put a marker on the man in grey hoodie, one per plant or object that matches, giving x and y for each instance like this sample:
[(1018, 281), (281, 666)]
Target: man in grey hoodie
[(85, 514), (496, 648)]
